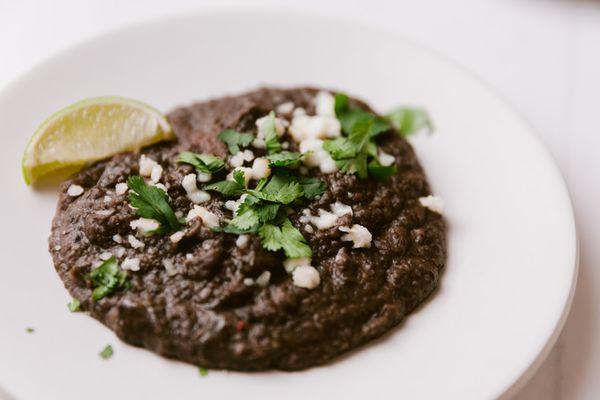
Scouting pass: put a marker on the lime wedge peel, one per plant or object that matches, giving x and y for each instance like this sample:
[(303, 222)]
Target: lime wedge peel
[(91, 130)]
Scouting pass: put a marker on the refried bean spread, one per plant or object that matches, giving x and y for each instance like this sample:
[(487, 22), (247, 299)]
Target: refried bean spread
[(282, 228)]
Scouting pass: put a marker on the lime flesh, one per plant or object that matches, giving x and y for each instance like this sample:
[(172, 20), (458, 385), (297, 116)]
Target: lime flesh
[(91, 130)]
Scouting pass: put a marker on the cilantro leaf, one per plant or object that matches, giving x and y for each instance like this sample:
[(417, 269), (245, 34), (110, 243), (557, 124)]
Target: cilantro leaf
[(281, 188), (312, 187), (349, 117), (408, 120), (271, 136), (206, 163), (286, 237), (234, 140), (107, 279), (152, 202), (74, 305), (202, 371), (350, 153), (380, 172), (230, 188), (107, 352), (246, 216), (284, 159)]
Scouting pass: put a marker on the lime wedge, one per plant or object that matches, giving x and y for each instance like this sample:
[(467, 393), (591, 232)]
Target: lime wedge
[(91, 130)]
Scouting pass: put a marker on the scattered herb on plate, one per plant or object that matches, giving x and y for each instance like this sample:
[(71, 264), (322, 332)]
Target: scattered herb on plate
[(407, 120), (235, 140), (107, 352), (74, 305), (107, 279), (206, 163)]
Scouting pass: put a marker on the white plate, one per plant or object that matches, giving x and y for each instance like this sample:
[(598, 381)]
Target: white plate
[(512, 242)]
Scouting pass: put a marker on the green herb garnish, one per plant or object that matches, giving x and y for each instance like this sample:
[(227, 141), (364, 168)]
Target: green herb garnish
[(271, 136), (284, 159), (74, 305), (349, 117), (107, 352), (282, 189), (312, 187), (380, 172), (230, 188), (408, 120), (206, 163), (29, 330), (202, 371), (235, 140), (152, 202), (107, 279), (285, 237)]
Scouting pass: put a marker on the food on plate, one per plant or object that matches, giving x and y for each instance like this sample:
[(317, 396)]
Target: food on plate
[(282, 228)]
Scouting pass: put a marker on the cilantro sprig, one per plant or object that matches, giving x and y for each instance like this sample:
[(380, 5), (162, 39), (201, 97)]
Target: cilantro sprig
[(271, 137), (284, 159), (230, 188), (356, 153), (409, 120), (107, 279), (285, 237), (206, 163), (235, 140), (152, 202)]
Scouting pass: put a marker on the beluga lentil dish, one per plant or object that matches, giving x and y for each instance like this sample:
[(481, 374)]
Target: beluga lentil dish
[(276, 229)]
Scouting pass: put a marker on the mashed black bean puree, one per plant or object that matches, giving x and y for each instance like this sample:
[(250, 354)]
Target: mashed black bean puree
[(221, 300)]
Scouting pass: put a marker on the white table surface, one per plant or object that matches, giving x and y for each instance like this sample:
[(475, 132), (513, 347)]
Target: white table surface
[(543, 56)]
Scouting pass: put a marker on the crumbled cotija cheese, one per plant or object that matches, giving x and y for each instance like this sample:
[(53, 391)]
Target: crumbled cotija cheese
[(238, 159), (260, 168), (248, 281), (263, 279), (340, 209), (325, 220), (292, 263), (105, 255), (117, 238), (316, 156), (306, 277), (357, 234), (241, 241), (156, 173), (146, 165), (280, 125), (75, 190), (285, 108), (386, 159), (176, 237), (208, 218), (121, 188), (433, 203), (169, 267), (204, 177), (134, 242), (144, 225), (325, 104), (131, 264), (196, 195)]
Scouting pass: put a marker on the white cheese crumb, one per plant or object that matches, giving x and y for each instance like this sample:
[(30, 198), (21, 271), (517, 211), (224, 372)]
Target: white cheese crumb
[(325, 104), (107, 199), (239, 158), (104, 213), (386, 159), (120, 251), (248, 281), (325, 220), (309, 228), (292, 263), (285, 145), (57, 248), (121, 188), (146, 165), (434, 203), (299, 111), (263, 279), (314, 127), (117, 238), (169, 267), (259, 143), (131, 264), (75, 190), (144, 225), (179, 214), (105, 255), (357, 234), (306, 277), (208, 218), (280, 125), (196, 195), (316, 156), (161, 187), (204, 177), (176, 237), (134, 242), (260, 168), (241, 241), (233, 205), (285, 108), (340, 209), (156, 173), (189, 256)]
